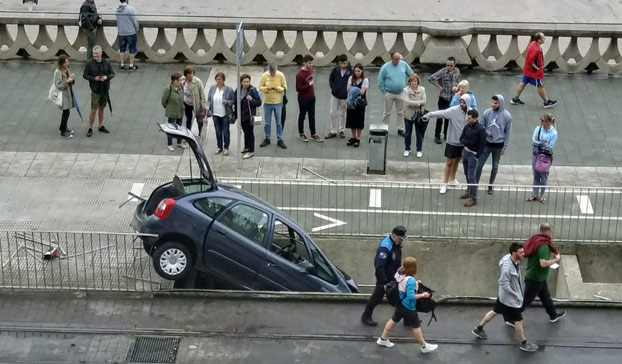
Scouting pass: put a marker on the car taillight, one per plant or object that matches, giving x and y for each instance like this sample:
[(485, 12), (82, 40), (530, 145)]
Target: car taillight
[(164, 208)]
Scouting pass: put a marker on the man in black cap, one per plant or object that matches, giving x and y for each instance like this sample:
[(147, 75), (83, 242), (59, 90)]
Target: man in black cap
[(387, 261)]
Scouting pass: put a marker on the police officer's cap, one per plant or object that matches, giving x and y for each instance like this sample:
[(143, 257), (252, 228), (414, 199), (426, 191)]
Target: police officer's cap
[(400, 231)]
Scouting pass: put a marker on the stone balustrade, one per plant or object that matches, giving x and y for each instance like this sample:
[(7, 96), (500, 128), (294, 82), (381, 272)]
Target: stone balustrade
[(433, 41)]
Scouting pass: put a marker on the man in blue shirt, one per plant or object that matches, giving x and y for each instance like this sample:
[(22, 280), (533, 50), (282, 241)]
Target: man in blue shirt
[(387, 261), (391, 81)]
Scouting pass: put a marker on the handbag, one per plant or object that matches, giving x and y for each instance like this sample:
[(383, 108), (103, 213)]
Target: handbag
[(361, 102), (202, 115), (544, 159), (55, 95), (417, 116)]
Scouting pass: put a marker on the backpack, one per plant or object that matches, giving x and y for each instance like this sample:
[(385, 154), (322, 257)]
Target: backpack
[(426, 305), (393, 294)]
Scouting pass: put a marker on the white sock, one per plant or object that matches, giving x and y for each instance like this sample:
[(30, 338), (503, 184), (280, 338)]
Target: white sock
[(131, 65)]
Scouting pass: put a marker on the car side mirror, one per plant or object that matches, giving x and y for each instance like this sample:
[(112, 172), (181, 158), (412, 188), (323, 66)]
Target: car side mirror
[(309, 268)]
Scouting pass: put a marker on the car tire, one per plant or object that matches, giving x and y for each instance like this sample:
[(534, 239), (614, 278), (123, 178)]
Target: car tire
[(173, 261)]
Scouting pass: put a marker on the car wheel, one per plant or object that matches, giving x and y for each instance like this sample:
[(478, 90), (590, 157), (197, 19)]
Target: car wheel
[(173, 261)]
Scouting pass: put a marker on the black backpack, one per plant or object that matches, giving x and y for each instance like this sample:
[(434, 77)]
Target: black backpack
[(426, 305), (393, 293)]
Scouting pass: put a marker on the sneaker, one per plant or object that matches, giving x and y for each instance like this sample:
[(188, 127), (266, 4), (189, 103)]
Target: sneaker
[(428, 348), (218, 151), (490, 190), (454, 183), (550, 103), (470, 203), (316, 138), (516, 101), (170, 148), (351, 141), (66, 135), (384, 342), (265, 142), (529, 346), (303, 138), (248, 155), (132, 68), (244, 151), (103, 129), (225, 152), (70, 131), (368, 321), (558, 316), (330, 135), (281, 144), (183, 144), (89, 133), (437, 140), (406, 153), (356, 143), (443, 189), (342, 135), (479, 333), (419, 154), (122, 66), (400, 132), (510, 324)]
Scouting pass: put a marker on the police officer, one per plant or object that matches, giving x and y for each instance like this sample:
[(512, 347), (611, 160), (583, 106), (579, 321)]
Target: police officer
[(387, 261)]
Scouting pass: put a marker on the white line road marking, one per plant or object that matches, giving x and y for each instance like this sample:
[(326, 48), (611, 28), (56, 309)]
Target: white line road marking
[(449, 213), (333, 222), (585, 204), (375, 197), (137, 189)]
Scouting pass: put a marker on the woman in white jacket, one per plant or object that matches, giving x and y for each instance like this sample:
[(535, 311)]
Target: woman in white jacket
[(64, 80), (414, 99)]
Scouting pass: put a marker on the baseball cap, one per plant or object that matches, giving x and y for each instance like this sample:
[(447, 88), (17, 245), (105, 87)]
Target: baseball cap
[(400, 231)]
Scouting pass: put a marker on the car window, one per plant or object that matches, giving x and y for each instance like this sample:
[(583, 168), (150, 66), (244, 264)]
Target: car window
[(322, 268), (247, 221), (287, 243), (211, 205)]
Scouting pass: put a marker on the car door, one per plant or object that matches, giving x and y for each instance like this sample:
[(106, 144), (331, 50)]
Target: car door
[(287, 261), (234, 245)]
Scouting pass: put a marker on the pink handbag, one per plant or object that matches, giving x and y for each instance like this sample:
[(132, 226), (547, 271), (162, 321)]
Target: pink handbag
[(543, 163)]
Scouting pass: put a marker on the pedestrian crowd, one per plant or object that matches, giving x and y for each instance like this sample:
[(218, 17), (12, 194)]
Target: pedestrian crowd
[(515, 294), (470, 136)]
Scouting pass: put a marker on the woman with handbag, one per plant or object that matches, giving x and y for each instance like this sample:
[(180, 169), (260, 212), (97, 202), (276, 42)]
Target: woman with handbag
[(414, 100), (543, 141), (250, 100), (194, 99), (355, 113), (63, 81), (220, 99)]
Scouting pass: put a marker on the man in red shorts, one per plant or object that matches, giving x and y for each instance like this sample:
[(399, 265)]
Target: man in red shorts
[(533, 72)]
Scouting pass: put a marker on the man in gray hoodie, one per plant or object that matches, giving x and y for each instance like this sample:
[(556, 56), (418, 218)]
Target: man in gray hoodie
[(453, 150), (510, 298), (127, 25), (498, 123)]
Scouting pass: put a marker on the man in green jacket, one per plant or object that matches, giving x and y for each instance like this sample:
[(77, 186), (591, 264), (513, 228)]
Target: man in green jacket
[(173, 104)]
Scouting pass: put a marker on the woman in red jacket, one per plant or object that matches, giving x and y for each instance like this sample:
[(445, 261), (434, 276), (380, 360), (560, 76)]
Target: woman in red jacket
[(533, 72)]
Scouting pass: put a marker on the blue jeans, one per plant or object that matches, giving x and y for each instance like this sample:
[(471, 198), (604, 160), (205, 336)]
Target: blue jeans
[(221, 124), (483, 158), (539, 179), (469, 162), (420, 127), (267, 113), (169, 138)]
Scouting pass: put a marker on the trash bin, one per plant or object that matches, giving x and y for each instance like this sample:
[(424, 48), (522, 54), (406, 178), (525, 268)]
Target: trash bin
[(378, 135)]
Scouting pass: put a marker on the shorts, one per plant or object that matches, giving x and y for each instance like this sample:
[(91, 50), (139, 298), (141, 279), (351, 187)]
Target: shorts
[(98, 100), (532, 81), (128, 40), (410, 316), (453, 151), (510, 314)]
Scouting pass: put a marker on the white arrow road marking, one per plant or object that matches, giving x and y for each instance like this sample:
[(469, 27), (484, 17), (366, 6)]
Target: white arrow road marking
[(585, 204), (375, 197), (137, 189), (334, 222)]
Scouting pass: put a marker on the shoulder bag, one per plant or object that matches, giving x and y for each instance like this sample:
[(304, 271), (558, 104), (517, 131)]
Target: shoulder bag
[(544, 158), (55, 95)]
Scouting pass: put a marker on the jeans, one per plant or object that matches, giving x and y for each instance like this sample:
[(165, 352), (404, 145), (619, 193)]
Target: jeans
[(306, 106), (170, 138), (63, 121), (249, 136), (442, 105), (188, 110), (389, 100), (541, 290), (221, 124), (268, 109), (483, 158), (420, 127), (539, 179), (469, 162), (338, 109)]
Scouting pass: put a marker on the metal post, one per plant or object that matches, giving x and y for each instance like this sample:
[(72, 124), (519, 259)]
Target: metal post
[(239, 46)]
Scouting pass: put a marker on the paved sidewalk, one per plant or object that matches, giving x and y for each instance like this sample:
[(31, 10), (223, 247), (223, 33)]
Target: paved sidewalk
[(97, 329)]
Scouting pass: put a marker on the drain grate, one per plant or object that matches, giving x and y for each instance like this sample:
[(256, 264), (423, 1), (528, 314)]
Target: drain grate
[(153, 349)]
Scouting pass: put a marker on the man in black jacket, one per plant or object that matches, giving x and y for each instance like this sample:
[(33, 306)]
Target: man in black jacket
[(387, 261), (474, 139), (99, 73), (89, 21), (338, 81)]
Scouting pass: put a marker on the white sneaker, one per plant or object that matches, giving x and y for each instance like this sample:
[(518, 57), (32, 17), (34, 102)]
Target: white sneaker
[(419, 154), (183, 144), (443, 189), (406, 153), (428, 348), (171, 148), (248, 155), (454, 183), (386, 343)]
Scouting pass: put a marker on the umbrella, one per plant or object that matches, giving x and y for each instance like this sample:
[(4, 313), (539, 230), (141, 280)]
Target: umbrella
[(75, 101), (109, 103)]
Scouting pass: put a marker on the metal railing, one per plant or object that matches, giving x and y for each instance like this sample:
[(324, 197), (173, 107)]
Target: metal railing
[(76, 261), (343, 208)]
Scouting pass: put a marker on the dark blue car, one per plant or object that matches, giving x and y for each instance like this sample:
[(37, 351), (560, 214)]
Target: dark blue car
[(229, 235)]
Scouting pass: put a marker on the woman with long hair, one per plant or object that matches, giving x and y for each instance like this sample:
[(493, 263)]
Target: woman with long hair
[(64, 81), (250, 100), (357, 101)]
